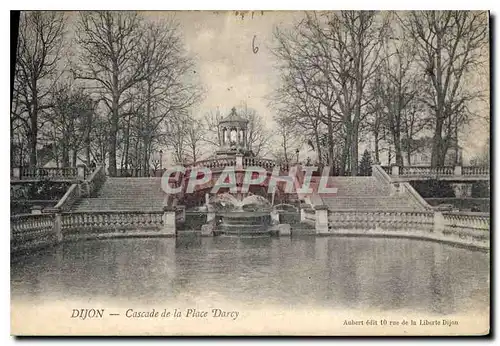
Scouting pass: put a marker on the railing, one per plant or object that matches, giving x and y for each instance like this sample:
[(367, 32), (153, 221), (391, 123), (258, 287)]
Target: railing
[(49, 173), (381, 173), (133, 173), (366, 219), (69, 198), (476, 170), (410, 171), (416, 170), (478, 221), (309, 215), (259, 162), (31, 231), (180, 213), (214, 163), (407, 189), (222, 162), (387, 169), (95, 181), (111, 220)]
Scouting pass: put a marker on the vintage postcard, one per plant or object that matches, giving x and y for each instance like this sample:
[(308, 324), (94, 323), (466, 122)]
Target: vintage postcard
[(250, 173)]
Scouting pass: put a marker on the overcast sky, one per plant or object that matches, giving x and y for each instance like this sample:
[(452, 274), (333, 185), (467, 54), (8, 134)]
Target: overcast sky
[(231, 73)]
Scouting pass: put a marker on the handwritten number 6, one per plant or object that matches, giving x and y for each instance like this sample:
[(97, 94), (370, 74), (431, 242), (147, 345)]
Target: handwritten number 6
[(254, 48)]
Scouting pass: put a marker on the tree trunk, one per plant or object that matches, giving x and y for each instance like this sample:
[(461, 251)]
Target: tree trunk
[(318, 146), (397, 148), (345, 154), (436, 160), (65, 154), (354, 150), (377, 156), (112, 136), (34, 132), (330, 143)]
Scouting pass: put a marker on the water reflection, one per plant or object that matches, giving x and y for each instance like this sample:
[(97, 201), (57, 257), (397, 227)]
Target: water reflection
[(336, 272)]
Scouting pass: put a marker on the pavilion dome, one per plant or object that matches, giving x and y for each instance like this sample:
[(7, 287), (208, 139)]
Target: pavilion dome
[(233, 117)]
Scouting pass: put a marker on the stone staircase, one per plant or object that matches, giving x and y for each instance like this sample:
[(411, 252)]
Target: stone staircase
[(366, 193), (125, 194), (353, 193)]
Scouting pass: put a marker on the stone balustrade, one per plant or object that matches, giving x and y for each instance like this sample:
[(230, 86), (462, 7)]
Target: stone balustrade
[(95, 181), (216, 163), (479, 221), (475, 170), (445, 171), (111, 221), (31, 231), (69, 198), (82, 189), (366, 219), (468, 229), (54, 173), (222, 162)]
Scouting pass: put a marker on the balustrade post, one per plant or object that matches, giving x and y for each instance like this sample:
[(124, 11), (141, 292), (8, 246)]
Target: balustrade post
[(57, 225), (275, 217), (16, 172), (169, 221), (239, 161), (183, 213), (458, 170), (439, 222), (80, 171), (321, 219), (36, 209), (395, 170)]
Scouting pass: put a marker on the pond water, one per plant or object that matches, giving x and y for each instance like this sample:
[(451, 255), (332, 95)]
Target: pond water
[(336, 272)]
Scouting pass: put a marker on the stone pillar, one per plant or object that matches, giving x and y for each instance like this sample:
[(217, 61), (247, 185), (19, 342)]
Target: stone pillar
[(57, 226), (36, 209), (438, 222), (80, 171), (395, 170), (321, 219), (168, 221), (239, 160), (183, 215), (302, 215), (284, 229), (207, 199), (275, 217), (16, 172), (210, 216), (458, 170)]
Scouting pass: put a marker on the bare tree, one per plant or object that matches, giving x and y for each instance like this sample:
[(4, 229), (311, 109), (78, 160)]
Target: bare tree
[(450, 45), (394, 89), (70, 123), (165, 91), (38, 53), (289, 139), (194, 138), (257, 135), (331, 57)]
